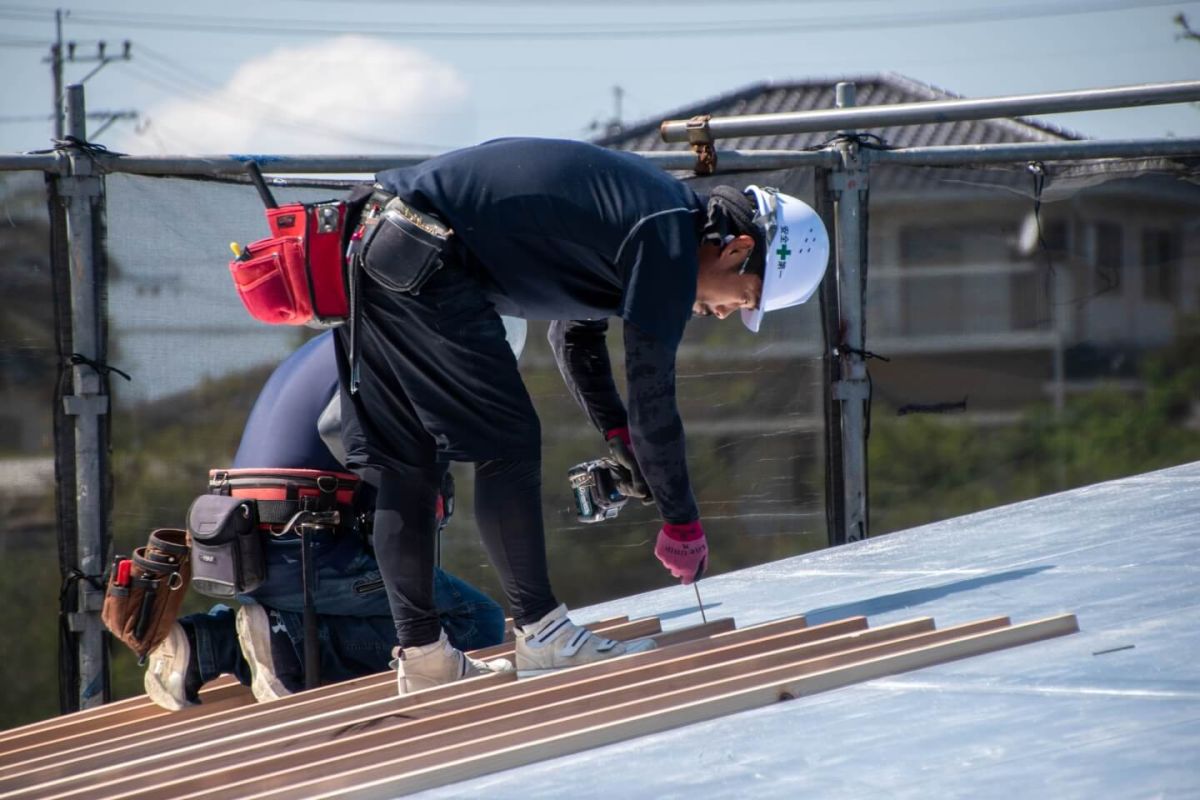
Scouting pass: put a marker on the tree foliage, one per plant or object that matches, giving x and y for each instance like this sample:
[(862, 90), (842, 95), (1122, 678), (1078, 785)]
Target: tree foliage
[(924, 469)]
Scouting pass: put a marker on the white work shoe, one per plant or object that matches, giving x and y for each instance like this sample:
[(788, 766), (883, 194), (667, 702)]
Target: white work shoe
[(554, 642), (166, 671), (434, 664), (274, 668)]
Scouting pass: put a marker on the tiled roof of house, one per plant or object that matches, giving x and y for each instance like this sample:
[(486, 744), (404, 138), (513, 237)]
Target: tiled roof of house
[(770, 97)]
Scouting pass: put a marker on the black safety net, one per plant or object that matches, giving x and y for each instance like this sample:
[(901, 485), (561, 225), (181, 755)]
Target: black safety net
[(31, 551), (1040, 323), (1032, 328)]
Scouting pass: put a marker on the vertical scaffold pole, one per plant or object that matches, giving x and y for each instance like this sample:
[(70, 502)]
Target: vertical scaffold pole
[(849, 184), (81, 189)]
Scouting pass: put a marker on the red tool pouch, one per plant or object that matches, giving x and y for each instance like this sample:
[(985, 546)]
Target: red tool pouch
[(297, 277)]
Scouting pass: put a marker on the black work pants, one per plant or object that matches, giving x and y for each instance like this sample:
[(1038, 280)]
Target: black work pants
[(439, 383)]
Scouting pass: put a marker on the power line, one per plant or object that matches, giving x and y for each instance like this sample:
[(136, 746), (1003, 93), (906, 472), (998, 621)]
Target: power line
[(7, 41), (312, 27), (27, 118), (586, 3)]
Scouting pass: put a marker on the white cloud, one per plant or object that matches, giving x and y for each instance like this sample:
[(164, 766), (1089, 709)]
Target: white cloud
[(348, 95)]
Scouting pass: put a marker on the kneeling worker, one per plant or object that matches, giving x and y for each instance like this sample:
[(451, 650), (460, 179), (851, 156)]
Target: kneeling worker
[(262, 644)]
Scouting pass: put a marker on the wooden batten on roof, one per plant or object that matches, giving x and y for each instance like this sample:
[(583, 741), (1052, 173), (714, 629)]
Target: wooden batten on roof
[(358, 739)]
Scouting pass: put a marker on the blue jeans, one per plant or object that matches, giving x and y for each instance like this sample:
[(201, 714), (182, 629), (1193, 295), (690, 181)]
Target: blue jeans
[(354, 623)]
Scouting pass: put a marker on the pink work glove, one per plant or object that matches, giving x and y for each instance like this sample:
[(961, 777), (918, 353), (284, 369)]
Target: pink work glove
[(683, 550)]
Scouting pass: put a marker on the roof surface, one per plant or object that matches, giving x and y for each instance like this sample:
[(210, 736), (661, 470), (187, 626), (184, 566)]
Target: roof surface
[(769, 97), (1113, 711)]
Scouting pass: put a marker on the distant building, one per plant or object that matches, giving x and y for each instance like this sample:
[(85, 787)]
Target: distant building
[(962, 292)]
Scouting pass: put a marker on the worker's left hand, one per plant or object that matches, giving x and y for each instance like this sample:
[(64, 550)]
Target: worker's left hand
[(683, 550), (628, 474)]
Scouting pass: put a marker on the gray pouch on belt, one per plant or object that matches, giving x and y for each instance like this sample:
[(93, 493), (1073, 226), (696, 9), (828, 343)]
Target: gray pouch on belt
[(405, 248)]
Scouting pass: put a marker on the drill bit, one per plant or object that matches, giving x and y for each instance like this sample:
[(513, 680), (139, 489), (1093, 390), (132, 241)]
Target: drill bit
[(699, 602)]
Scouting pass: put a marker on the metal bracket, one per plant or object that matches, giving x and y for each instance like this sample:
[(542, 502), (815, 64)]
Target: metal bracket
[(848, 180), (87, 617), (327, 217), (700, 138), (79, 405), (80, 621), (72, 186)]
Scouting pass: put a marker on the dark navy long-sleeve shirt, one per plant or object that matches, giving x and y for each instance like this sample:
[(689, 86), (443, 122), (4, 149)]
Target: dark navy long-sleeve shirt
[(281, 431), (563, 230)]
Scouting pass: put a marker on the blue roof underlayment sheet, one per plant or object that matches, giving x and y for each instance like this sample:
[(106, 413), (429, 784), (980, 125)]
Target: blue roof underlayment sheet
[(1110, 712)]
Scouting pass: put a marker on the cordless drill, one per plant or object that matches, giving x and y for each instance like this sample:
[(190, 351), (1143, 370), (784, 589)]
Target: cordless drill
[(595, 487)]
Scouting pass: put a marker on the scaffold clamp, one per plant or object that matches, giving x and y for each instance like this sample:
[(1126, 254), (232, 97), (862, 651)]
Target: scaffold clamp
[(700, 138)]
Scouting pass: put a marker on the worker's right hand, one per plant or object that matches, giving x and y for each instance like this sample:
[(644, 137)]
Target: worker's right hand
[(627, 472), (683, 550)]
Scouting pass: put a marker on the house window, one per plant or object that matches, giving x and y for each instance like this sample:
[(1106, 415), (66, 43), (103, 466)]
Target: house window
[(931, 304), (1160, 254), (955, 277), (1109, 257), (930, 247), (1056, 238)]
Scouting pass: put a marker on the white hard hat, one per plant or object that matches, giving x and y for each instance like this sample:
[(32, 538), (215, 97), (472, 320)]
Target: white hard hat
[(797, 252)]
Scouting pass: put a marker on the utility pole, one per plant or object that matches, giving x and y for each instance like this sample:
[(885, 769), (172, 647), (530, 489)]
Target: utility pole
[(56, 69), (101, 59)]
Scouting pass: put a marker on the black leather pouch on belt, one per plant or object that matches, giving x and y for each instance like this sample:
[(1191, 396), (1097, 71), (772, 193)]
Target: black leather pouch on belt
[(405, 247), (227, 548)]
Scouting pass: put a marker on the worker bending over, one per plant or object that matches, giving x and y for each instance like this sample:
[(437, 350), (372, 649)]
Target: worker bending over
[(551, 230)]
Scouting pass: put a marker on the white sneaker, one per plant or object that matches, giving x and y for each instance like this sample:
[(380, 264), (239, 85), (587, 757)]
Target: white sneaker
[(166, 671), (554, 642), (434, 664), (270, 654)]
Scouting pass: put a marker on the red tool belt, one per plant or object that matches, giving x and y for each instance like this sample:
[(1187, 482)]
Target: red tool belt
[(298, 276), (227, 527), (280, 494)]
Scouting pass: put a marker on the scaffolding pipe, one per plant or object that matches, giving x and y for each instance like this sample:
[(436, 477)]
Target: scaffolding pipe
[(87, 405), (951, 155), (939, 111), (39, 162), (849, 182), (235, 164), (729, 161), (744, 160)]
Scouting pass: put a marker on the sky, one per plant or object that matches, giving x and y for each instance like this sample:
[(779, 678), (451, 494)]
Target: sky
[(409, 77)]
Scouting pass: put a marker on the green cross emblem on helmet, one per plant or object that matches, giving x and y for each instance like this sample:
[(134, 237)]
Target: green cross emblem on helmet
[(783, 252)]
